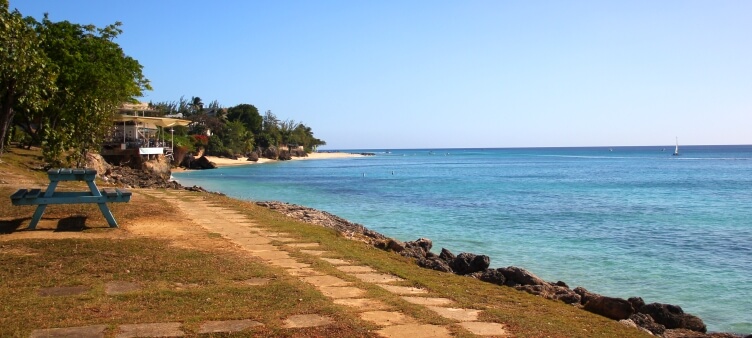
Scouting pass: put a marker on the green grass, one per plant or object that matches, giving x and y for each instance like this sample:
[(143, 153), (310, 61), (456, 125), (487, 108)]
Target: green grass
[(188, 286)]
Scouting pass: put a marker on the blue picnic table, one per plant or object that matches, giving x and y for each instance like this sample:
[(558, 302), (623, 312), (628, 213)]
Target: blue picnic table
[(44, 198)]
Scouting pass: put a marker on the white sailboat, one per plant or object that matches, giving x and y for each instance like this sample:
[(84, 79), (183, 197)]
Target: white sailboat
[(676, 151)]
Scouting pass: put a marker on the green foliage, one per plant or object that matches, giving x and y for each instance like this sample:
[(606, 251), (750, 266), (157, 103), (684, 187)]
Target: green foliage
[(248, 115), (216, 147), (236, 138), (26, 77), (95, 77)]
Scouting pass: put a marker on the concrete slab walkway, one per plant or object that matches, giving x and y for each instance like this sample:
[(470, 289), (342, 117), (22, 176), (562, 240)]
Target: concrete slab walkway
[(275, 247)]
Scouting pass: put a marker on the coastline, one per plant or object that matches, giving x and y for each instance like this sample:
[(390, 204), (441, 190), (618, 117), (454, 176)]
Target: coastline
[(228, 162)]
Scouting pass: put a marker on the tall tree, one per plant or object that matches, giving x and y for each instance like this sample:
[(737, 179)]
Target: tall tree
[(248, 115), (95, 78), (26, 79)]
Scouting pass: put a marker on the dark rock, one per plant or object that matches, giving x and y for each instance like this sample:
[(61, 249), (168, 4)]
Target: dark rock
[(284, 155), (646, 322), (417, 249), (271, 153), (637, 302), (562, 284), (447, 256), (434, 263), (585, 295), (253, 157), (673, 317), (566, 295), (466, 263), (519, 276), (203, 163), (610, 307), (492, 276)]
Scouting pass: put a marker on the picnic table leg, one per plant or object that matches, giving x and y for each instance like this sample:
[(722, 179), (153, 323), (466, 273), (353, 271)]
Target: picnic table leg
[(40, 208), (102, 206), (37, 216)]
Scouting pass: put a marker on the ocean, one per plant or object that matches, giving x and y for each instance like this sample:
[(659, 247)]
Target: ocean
[(620, 221)]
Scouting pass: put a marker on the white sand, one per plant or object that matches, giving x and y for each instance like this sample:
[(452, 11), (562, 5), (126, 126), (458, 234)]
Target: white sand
[(225, 162)]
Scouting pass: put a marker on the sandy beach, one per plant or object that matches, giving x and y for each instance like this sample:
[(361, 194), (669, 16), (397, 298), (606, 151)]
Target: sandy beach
[(225, 162)]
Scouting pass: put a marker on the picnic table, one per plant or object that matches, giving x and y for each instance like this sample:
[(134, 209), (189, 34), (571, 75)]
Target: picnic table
[(44, 198)]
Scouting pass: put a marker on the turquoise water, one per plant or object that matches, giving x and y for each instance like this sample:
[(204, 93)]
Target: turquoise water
[(622, 221)]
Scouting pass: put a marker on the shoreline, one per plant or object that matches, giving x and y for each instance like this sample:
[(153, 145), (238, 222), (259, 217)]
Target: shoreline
[(221, 162)]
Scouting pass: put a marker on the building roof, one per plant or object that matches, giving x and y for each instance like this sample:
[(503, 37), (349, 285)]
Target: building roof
[(157, 121)]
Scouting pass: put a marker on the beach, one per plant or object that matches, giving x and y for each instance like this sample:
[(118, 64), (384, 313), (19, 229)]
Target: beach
[(227, 162)]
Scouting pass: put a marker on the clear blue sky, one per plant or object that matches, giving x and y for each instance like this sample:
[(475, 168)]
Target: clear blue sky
[(409, 74)]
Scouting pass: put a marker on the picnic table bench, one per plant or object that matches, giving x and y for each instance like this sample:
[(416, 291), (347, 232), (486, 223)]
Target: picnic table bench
[(44, 198)]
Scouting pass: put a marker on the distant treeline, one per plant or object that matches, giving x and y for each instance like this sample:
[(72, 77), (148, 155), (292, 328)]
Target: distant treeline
[(234, 130)]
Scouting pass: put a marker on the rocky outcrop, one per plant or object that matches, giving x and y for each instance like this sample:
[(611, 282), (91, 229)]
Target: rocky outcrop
[(202, 163), (467, 263), (327, 220), (646, 322), (271, 153), (658, 319), (253, 157), (98, 163), (609, 307), (135, 178), (673, 317)]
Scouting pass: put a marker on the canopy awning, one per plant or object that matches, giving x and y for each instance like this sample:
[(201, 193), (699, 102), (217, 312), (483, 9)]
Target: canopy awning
[(157, 121)]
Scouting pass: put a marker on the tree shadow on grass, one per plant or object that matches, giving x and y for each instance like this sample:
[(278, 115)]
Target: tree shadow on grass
[(10, 226)]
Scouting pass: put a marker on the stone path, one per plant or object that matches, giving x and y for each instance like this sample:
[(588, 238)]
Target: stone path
[(274, 248)]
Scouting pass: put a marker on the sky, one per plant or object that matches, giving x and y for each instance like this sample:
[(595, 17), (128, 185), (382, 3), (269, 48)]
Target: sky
[(392, 74)]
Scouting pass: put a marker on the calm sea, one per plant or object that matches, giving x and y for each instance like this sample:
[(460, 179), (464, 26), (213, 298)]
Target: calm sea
[(621, 221)]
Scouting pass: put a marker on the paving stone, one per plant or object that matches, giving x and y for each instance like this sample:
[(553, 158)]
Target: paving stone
[(428, 300), (403, 290), (314, 252), (150, 330), (325, 280), (259, 247), (227, 326), (93, 331), (312, 320), (336, 261), (486, 329), (303, 272), (283, 239), (289, 263), (272, 254), (303, 245), (342, 292), (64, 290), (414, 331), (355, 269), (362, 303), (378, 278), (386, 318), (252, 241), (458, 314), (118, 287)]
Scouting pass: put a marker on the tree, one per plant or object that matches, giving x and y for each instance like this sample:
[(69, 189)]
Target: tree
[(26, 79), (95, 78), (248, 115)]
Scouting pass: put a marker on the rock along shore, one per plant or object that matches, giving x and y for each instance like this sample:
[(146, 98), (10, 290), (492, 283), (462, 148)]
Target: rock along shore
[(664, 320)]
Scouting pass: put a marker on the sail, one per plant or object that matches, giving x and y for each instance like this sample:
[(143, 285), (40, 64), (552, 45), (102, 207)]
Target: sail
[(676, 151)]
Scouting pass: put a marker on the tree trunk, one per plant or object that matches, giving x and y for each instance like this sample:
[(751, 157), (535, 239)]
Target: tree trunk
[(6, 115)]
